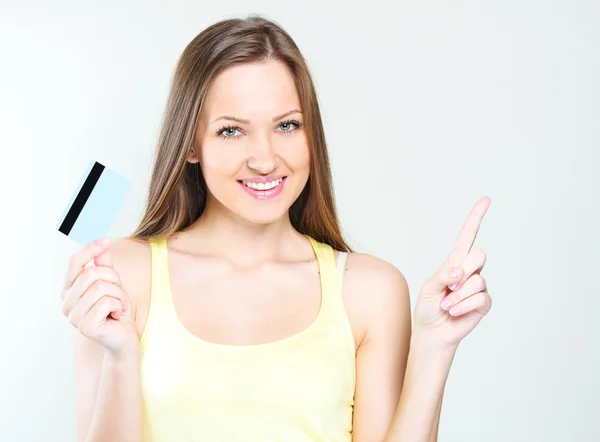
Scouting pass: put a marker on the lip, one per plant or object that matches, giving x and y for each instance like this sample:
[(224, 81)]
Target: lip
[(264, 194)]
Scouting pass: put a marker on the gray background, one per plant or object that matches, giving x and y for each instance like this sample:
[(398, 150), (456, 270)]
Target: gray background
[(427, 106)]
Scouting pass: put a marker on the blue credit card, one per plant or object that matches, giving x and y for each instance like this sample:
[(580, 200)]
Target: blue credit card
[(94, 205)]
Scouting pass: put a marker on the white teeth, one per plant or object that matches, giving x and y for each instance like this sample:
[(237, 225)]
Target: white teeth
[(262, 186)]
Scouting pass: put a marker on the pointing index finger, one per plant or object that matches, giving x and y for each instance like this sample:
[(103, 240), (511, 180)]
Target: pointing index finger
[(468, 232)]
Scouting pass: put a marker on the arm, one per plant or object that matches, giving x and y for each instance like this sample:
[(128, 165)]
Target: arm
[(377, 294), (399, 380), (108, 393), (418, 413), (437, 332), (108, 389)]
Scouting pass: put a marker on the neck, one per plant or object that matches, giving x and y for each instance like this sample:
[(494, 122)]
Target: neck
[(225, 234)]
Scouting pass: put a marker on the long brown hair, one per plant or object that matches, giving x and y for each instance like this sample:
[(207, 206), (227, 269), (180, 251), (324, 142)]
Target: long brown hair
[(177, 194)]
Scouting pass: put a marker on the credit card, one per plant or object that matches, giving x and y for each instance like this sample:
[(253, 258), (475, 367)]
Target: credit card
[(94, 205)]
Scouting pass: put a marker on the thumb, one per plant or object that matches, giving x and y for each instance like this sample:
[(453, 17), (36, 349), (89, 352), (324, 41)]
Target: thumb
[(104, 259), (444, 277)]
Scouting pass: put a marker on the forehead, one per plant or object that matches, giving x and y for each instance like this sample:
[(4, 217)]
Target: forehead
[(259, 90)]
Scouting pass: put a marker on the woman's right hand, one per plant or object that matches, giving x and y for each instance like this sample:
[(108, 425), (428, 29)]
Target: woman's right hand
[(94, 300)]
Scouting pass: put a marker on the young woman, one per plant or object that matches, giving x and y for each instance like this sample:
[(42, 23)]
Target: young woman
[(236, 311)]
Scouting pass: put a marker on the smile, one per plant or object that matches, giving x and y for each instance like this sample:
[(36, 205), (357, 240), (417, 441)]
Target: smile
[(263, 189), (262, 186)]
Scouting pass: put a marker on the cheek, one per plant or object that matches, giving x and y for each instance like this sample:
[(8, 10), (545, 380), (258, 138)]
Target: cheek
[(218, 163), (297, 157)]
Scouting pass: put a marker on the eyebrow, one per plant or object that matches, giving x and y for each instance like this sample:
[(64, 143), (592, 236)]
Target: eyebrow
[(242, 121)]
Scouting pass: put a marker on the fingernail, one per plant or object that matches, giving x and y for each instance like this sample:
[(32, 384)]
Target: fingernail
[(455, 273), (446, 304), (455, 310), (103, 241), (453, 286)]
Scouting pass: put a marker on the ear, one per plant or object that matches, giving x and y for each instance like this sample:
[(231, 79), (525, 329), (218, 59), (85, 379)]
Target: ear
[(192, 156)]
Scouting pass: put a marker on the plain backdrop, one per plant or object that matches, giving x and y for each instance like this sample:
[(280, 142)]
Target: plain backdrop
[(427, 106)]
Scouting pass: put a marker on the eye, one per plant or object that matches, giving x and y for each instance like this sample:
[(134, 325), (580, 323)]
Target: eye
[(229, 132), (289, 126)]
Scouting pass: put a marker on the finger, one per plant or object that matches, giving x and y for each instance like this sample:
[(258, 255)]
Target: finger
[(90, 324), (472, 264), (104, 259), (480, 302), (87, 277), (468, 232), (98, 290), (102, 309), (473, 285), (79, 312), (80, 259), (438, 283)]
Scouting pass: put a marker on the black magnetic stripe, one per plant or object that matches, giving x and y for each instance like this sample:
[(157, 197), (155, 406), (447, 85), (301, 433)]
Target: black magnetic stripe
[(81, 199)]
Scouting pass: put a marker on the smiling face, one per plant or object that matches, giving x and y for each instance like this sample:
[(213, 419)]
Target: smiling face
[(251, 142)]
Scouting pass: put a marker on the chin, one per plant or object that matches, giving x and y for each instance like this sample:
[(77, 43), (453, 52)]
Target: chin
[(262, 212), (262, 216)]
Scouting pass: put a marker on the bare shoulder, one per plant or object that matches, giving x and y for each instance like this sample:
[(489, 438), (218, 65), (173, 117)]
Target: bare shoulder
[(132, 261), (375, 293), (374, 274)]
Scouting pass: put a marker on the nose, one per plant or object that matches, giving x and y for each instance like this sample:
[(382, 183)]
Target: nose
[(263, 158)]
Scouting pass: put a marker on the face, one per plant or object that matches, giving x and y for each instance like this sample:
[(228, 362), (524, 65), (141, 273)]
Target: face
[(251, 142)]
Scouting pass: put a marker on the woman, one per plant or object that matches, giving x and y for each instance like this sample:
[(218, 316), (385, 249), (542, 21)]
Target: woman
[(235, 312)]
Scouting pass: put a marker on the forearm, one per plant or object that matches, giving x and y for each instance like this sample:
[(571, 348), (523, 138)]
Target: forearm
[(418, 411), (118, 411), (436, 424)]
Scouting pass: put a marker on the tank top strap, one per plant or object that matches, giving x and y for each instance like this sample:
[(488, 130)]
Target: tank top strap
[(160, 272), (331, 299), (161, 305)]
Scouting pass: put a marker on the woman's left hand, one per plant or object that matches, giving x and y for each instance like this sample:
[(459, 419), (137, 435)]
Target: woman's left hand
[(446, 312)]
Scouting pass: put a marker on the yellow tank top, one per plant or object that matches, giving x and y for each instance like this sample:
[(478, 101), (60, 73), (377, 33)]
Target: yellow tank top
[(299, 388)]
